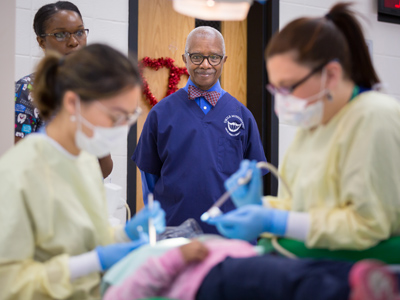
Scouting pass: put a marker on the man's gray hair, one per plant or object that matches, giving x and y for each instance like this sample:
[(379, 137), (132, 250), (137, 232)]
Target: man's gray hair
[(205, 31)]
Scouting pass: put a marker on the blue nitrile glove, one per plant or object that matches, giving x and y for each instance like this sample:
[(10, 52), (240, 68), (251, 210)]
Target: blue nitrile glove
[(248, 222), (142, 219), (111, 254), (249, 193)]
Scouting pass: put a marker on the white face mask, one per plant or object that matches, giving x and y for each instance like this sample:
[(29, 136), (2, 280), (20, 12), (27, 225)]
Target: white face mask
[(104, 139), (295, 111)]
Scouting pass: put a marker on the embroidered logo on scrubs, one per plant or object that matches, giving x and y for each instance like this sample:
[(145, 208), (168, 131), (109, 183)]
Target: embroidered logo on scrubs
[(233, 124)]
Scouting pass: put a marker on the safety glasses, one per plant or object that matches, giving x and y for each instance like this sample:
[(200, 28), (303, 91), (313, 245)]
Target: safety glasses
[(288, 90)]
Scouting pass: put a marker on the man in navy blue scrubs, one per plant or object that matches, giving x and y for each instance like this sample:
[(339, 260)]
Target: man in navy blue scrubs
[(194, 139)]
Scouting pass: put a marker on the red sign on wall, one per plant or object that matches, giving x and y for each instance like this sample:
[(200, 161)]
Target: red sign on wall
[(392, 4), (389, 11)]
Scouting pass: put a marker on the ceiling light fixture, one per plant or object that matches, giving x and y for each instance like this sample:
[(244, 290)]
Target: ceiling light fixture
[(214, 10)]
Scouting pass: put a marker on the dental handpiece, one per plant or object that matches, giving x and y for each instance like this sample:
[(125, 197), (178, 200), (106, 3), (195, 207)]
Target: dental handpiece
[(215, 209)]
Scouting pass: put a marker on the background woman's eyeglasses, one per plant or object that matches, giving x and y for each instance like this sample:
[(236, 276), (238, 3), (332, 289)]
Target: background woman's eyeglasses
[(197, 58), (65, 35)]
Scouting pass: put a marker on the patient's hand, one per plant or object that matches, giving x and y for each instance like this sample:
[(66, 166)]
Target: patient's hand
[(194, 251)]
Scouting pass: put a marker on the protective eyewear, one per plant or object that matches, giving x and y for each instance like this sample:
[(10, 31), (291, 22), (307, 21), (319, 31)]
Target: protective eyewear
[(121, 118), (197, 58), (288, 90), (65, 35)]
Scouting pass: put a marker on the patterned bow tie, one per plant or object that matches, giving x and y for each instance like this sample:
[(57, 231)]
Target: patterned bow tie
[(211, 97)]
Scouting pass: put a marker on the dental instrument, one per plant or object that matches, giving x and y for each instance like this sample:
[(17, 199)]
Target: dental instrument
[(215, 210)]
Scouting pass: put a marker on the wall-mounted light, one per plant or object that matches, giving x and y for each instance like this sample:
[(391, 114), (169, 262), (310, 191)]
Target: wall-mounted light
[(219, 10)]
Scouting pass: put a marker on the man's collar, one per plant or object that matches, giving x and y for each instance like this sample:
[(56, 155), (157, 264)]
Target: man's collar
[(216, 87)]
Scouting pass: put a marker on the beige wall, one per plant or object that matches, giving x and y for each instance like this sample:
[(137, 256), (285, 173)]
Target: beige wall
[(7, 62)]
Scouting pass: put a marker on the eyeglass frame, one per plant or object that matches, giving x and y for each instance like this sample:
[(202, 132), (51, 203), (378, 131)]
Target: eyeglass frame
[(205, 57), (129, 118), (67, 33), (287, 91)]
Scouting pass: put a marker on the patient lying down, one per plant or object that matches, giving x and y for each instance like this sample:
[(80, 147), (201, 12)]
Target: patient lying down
[(232, 269)]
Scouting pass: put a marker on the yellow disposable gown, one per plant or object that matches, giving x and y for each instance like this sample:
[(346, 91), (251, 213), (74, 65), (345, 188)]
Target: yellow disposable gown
[(52, 206), (346, 174)]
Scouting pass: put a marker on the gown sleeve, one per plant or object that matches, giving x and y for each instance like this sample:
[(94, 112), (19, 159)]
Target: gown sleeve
[(369, 176), (25, 277), (356, 201)]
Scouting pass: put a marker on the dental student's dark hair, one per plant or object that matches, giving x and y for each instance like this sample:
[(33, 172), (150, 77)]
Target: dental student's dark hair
[(46, 12), (94, 72), (338, 35)]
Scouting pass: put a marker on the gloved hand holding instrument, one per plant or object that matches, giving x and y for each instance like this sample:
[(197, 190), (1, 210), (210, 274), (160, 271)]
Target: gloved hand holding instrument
[(132, 236), (251, 191), (137, 229), (155, 213), (251, 218), (111, 254)]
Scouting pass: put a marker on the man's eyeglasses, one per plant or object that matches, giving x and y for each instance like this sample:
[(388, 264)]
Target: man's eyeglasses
[(197, 58), (65, 35), (288, 90), (120, 119)]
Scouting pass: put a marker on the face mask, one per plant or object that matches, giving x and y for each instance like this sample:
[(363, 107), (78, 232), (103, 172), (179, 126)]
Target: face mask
[(295, 111), (104, 139)]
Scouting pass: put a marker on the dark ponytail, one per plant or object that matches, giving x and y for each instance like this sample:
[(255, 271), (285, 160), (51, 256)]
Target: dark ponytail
[(338, 36), (362, 70), (94, 72), (45, 92)]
